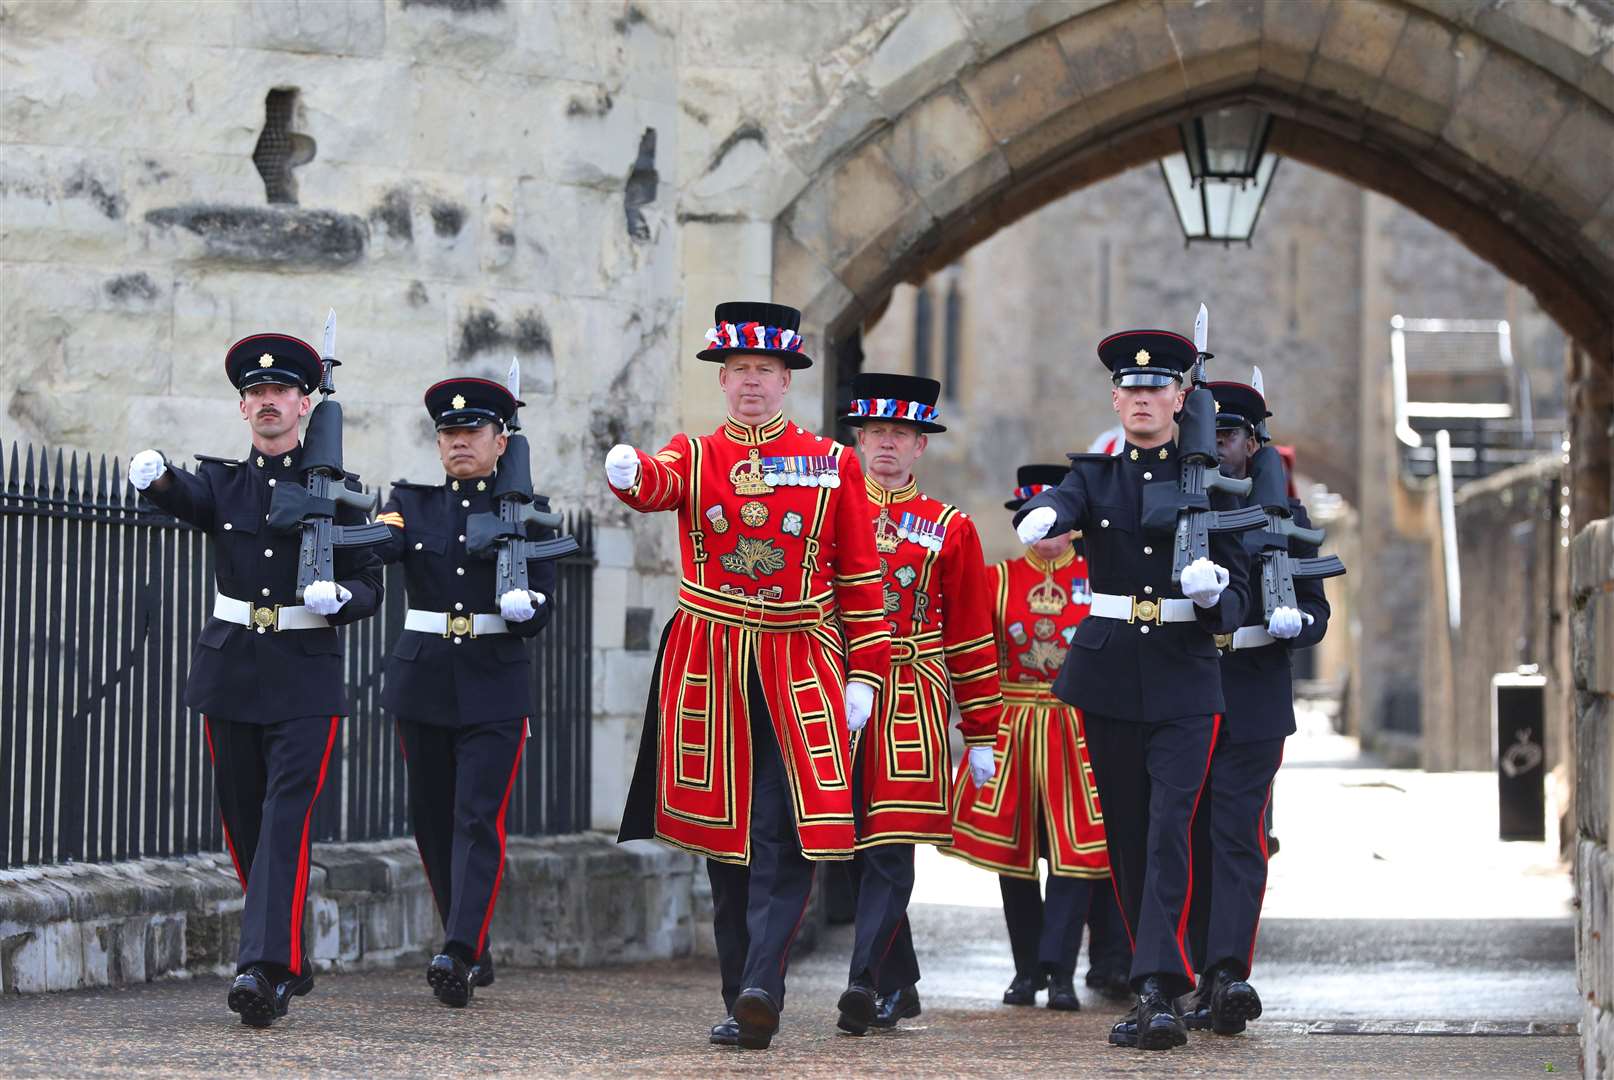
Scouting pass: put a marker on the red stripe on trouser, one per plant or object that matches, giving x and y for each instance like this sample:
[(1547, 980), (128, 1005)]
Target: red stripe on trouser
[(1261, 832), (229, 842), (294, 962), (487, 916), (1188, 893), (1126, 924), (890, 942)]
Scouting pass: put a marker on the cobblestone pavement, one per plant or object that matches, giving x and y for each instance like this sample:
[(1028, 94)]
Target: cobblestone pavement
[(1375, 927)]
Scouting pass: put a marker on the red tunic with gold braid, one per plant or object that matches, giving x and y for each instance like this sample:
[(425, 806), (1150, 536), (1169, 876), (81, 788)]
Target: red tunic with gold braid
[(779, 572), (938, 603), (1041, 750)]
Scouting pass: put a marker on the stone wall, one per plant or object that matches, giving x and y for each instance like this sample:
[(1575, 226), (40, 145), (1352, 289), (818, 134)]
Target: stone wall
[(564, 902), (1592, 589)]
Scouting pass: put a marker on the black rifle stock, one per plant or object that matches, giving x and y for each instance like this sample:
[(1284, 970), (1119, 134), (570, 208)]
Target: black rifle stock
[(503, 535), (1279, 569)]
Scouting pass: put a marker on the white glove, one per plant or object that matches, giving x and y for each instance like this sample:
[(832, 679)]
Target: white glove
[(325, 597), (1287, 622), (859, 704), (1203, 582), (145, 467), (983, 765), (519, 606), (1036, 525), (622, 467)]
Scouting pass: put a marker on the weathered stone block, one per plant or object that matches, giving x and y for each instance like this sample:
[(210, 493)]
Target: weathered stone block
[(1505, 115), (995, 25), (1354, 50), (1218, 44), (1565, 175), (627, 680), (944, 152), (1015, 90), (803, 279), (1594, 764), (923, 50), (1123, 61), (1426, 72), (356, 27), (1289, 36)]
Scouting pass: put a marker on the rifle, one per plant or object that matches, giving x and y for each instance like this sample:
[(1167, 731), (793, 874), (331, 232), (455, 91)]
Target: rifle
[(503, 536), (312, 507), (1184, 508), (1279, 569)]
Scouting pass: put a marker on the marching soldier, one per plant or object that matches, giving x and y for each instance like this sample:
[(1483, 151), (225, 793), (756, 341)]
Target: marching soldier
[(267, 671), (1230, 836), (1143, 666), (459, 680), (937, 604), (1044, 803), (778, 645)]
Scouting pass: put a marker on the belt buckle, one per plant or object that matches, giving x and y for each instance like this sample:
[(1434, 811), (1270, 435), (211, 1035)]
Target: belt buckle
[(1145, 611), (745, 612), (1224, 641), (460, 626), (266, 618)]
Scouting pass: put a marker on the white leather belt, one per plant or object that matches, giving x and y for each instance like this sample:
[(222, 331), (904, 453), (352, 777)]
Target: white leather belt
[(448, 624), (270, 617), (1245, 637), (1131, 609)]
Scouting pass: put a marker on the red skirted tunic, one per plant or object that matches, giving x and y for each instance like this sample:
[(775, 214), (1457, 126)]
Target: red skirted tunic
[(938, 603), (779, 576), (1043, 768)]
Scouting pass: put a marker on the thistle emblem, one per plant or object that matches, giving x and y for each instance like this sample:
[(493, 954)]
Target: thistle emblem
[(754, 557)]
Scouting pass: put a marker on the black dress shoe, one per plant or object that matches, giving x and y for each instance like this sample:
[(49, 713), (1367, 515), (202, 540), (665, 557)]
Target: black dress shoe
[(726, 1032), (1233, 1002), (450, 979), (1159, 1025), (1125, 1030), (1062, 993), (482, 971), (1023, 990), (293, 986), (253, 996), (1115, 985), (757, 1015), (857, 1009), (1195, 1005), (900, 1004)]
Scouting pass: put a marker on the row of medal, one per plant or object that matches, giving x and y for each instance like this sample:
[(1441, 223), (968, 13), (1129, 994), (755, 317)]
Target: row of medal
[(801, 470), (916, 530)]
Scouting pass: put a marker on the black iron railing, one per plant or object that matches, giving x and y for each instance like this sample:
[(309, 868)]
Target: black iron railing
[(101, 601)]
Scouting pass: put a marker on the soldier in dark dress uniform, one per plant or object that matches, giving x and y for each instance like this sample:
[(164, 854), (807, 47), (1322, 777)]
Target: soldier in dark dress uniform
[(1230, 836), (459, 680), (1143, 666), (267, 671)]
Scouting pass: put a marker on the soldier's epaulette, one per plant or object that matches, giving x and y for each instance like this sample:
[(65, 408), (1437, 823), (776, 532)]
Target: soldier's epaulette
[(230, 462), (414, 486)]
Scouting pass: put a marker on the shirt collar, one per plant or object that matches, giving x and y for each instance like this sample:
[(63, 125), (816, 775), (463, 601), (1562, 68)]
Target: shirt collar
[(755, 435), (287, 462), (1155, 454), (879, 496), (470, 485), (1049, 567)]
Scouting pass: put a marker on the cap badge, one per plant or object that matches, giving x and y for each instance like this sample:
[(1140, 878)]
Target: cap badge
[(481, 485), (266, 360), (458, 401), (1218, 406), (286, 460), (1142, 357)]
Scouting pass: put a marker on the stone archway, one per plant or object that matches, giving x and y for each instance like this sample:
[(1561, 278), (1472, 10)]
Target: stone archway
[(1492, 123)]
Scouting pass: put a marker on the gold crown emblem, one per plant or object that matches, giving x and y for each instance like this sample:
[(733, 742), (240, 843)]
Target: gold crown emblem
[(886, 540), (1047, 598), (266, 360), (747, 477), (458, 401), (1142, 357)]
